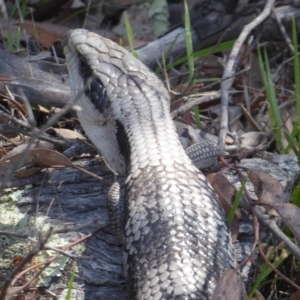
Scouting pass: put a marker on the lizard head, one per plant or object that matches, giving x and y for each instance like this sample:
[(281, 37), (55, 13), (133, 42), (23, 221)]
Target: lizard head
[(90, 79)]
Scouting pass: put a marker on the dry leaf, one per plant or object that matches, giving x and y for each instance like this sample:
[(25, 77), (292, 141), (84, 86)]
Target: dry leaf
[(46, 35), (296, 296), (230, 286), (48, 158), (290, 215), (267, 189), (252, 139), (226, 192), (69, 134), (36, 157), (27, 172)]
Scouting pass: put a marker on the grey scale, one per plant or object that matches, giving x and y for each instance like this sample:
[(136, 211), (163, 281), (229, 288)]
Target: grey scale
[(176, 241)]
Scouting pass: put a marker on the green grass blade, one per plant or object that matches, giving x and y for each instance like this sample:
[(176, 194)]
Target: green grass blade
[(297, 80), (12, 12), (189, 41), (70, 285), (190, 57), (9, 40), (271, 96), (265, 271), (296, 196), (23, 9), (272, 93), (18, 44), (291, 140), (222, 47), (237, 201), (130, 35)]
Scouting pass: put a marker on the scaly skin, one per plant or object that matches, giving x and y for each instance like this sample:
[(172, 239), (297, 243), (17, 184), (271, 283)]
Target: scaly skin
[(176, 242)]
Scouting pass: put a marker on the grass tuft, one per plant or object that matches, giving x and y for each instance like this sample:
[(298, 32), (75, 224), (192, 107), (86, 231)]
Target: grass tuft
[(273, 107)]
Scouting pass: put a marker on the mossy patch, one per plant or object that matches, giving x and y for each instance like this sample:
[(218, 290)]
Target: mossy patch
[(12, 220)]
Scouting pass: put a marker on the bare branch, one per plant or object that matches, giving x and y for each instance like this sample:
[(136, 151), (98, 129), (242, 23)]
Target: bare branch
[(230, 69)]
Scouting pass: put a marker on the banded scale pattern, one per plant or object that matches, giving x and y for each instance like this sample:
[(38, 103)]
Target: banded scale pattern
[(176, 242)]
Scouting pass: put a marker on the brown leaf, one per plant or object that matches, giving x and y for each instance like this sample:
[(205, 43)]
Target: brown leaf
[(26, 172), (44, 35), (36, 157), (7, 163), (48, 158), (226, 192), (296, 296), (290, 215), (267, 189), (230, 286)]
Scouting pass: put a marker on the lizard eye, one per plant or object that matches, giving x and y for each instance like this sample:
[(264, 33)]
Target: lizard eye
[(85, 70), (96, 92), (94, 88)]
